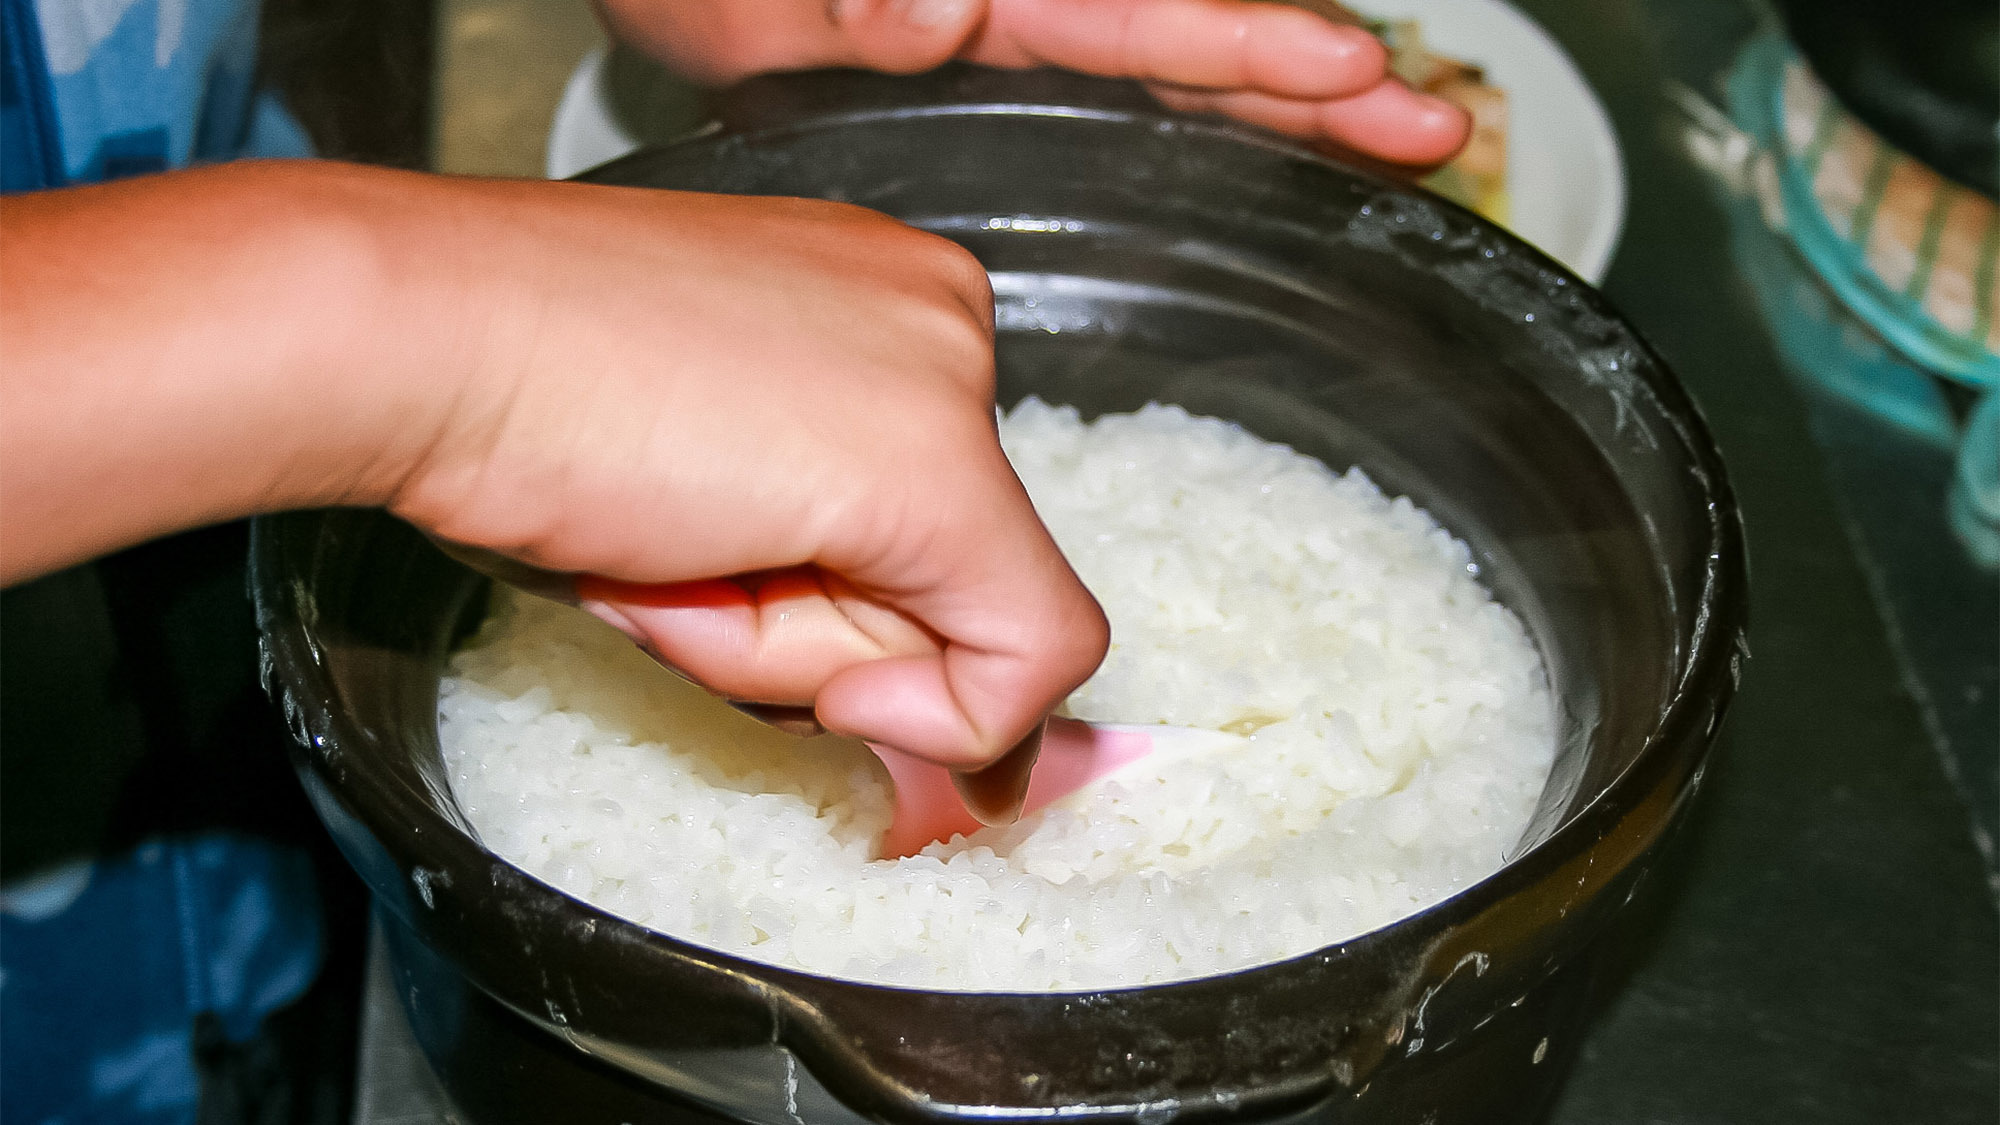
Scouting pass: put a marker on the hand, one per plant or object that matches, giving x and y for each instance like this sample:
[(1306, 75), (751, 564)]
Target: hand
[(651, 386), (675, 387), (1270, 64)]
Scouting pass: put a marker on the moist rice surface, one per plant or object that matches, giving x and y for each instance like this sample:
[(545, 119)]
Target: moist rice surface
[(1397, 721)]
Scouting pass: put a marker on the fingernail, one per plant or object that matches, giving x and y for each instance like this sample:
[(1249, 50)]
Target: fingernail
[(610, 614), (937, 13), (1439, 111), (995, 793), (786, 717), (614, 615)]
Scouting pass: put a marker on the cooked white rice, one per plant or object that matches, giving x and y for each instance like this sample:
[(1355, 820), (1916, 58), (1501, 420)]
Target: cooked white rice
[(1399, 721)]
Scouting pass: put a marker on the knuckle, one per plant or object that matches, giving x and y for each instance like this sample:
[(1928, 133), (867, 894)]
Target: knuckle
[(963, 277), (1084, 631), (966, 355), (967, 274), (930, 260), (952, 264), (954, 302)]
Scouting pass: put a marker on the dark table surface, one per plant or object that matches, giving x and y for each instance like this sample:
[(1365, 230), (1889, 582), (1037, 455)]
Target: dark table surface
[(1820, 943)]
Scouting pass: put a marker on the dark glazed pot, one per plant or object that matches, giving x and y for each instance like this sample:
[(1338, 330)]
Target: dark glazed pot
[(1134, 256)]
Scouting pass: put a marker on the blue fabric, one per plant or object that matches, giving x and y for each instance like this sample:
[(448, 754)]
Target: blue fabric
[(107, 964), (102, 89), (147, 85), (30, 154), (109, 968)]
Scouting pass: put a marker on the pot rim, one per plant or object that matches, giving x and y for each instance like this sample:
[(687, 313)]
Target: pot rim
[(1710, 670), (421, 834)]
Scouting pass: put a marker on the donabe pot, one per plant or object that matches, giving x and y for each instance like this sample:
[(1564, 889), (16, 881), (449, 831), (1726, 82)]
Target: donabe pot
[(1135, 256)]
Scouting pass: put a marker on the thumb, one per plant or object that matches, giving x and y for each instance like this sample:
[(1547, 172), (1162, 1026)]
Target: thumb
[(771, 636), (1017, 630), (905, 36)]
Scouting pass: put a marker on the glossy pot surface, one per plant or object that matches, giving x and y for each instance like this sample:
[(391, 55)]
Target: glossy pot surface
[(1135, 256)]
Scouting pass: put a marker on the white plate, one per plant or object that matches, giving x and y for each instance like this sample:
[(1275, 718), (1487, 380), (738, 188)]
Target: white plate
[(584, 134), (1565, 179)]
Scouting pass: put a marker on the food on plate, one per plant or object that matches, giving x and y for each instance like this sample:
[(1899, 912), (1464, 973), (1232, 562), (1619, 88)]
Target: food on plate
[(1476, 177), (1399, 733)]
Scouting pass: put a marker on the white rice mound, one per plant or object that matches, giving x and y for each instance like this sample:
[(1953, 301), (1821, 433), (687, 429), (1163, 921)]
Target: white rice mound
[(1399, 724)]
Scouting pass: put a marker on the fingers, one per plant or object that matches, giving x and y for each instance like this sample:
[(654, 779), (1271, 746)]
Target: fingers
[(1390, 122), (720, 43), (1020, 630), (903, 36), (1395, 123), (1269, 64), (772, 637), (826, 403), (1274, 49), (1008, 638)]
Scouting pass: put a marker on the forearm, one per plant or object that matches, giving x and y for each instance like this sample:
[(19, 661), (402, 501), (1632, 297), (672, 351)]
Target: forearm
[(652, 387), (196, 347)]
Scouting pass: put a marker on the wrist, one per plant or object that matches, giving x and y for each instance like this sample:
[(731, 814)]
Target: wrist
[(390, 352), (197, 347)]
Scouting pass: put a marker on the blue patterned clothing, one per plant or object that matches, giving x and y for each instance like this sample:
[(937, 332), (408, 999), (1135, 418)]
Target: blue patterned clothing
[(99, 89), (122, 970)]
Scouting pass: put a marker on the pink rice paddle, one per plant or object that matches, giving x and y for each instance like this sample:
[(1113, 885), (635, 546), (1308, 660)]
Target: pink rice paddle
[(1074, 755)]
